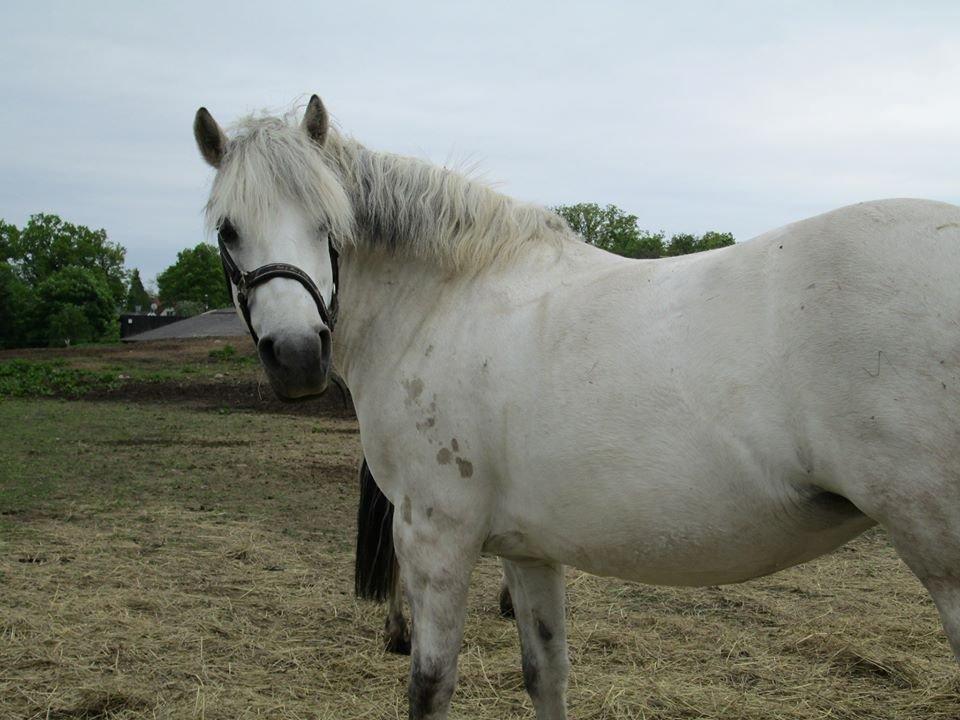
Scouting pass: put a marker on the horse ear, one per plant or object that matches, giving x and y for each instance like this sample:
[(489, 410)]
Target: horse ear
[(210, 138), (316, 122)]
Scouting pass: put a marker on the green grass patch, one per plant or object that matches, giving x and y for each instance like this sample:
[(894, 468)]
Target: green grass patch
[(25, 378), (227, 352), (62, 378)]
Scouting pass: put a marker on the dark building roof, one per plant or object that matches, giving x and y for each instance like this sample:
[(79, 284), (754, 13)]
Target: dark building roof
[(214, 323)]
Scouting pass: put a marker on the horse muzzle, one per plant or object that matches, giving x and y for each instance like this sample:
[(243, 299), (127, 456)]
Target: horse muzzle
[(298, 365)]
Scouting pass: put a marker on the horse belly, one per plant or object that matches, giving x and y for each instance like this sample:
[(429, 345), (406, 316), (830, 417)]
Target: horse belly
[(688, 543)]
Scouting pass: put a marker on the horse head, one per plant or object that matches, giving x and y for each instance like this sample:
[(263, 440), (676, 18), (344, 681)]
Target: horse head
[(280, 213)]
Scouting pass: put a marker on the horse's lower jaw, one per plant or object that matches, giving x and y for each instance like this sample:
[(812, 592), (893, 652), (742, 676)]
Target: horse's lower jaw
[(297, 393)]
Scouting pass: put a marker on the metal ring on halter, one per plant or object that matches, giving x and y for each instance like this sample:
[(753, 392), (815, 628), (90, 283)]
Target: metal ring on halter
[(246, 281)]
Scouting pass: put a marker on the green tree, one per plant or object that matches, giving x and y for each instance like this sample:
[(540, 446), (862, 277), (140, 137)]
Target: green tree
[(196, 275), (77, 305), (684, 243), (48, 244), (18, 308), (712, 240), (9, 236), (612, 229), (138, 300), (189, 308), (649, 245), (68, 324)]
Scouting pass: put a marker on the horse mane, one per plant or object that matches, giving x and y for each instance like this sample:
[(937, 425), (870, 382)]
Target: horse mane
[(412, 206), (375, 199)]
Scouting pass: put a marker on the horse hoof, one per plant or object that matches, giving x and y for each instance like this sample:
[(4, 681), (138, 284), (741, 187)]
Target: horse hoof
[(398, 645)]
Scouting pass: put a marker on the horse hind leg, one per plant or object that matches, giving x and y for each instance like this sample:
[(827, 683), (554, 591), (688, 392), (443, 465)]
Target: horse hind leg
[(537, 590), (505, 601), (922, 518), (397, 634), (945, 591), (937, 566), (376, 571)]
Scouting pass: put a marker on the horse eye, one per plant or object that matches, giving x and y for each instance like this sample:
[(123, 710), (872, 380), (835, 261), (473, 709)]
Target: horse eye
[(227, 233)]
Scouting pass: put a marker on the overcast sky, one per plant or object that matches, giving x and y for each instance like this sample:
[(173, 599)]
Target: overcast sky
[(734, 116)]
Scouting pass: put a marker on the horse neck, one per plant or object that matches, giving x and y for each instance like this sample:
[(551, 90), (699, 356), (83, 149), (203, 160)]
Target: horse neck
[(383, 297), (392, 304), (425, 238)]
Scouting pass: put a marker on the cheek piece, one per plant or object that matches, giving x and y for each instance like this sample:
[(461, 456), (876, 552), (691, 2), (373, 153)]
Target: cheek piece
[(245, 281)]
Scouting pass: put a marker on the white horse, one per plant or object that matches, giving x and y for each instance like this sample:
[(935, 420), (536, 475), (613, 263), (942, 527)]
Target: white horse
[(690, 421)]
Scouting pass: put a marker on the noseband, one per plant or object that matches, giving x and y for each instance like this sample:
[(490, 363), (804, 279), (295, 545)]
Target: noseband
[(246, 281)]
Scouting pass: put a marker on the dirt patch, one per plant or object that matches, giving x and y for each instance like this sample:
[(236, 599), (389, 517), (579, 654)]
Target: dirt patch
[(194, 442), (98, 705), (198, 373), (241, 394), (159, 351)]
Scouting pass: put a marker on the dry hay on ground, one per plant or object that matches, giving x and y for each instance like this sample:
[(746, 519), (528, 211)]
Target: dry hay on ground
[(220, 586), (165, 614)]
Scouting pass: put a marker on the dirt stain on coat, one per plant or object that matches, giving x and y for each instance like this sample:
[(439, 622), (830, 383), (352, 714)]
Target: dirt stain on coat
[(414, 389)]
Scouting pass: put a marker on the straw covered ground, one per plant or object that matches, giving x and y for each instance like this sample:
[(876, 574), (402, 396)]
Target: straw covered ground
[(160, 559)]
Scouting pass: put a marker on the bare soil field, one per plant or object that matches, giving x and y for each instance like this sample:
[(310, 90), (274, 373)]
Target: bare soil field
[(180, 545), (198, 373)]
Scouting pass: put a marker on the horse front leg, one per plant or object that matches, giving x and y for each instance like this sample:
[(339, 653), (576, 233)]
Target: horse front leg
[(435, 564), (537, 590)]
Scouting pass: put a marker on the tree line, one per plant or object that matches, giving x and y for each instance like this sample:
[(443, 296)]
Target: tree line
[(619, 232), (62, 283)]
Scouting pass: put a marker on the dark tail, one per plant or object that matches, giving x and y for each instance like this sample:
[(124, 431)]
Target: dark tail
[(376, 564)]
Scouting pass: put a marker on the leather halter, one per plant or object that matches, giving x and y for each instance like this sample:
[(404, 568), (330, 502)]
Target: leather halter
[(246, 281)]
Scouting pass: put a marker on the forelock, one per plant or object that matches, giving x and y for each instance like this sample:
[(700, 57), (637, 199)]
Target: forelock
[(268, 161)]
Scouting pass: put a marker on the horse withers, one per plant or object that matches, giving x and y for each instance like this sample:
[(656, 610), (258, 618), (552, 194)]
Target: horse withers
[(689, 421)]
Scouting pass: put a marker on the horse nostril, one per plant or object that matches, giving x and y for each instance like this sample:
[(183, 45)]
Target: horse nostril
[(325, 342), (267, 351)]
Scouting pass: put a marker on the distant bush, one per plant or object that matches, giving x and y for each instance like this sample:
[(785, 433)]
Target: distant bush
[(23, 378)]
